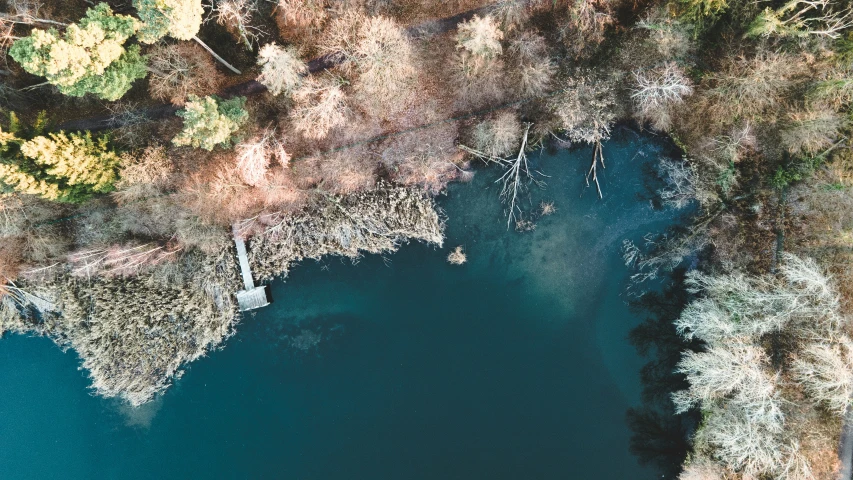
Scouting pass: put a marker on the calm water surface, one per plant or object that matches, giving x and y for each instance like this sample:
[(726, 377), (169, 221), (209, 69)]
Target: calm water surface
[(513, 366)]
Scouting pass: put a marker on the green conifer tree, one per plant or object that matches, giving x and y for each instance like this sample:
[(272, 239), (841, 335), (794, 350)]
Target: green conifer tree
[(179, 19), (59, 166), (88, 58), (210, 121)]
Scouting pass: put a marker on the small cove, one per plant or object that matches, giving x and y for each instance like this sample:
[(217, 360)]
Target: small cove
[(514, 365)]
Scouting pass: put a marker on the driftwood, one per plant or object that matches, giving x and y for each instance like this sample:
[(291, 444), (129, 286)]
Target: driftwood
[(597, 157), (253, 87), (515, 179)]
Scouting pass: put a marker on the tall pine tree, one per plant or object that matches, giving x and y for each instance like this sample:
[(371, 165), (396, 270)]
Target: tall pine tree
[(89, 57)]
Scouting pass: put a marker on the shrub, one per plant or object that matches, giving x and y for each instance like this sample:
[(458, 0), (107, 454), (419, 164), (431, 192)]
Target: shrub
[(211, 121), (480, 40), (457, 256), (498, 137)]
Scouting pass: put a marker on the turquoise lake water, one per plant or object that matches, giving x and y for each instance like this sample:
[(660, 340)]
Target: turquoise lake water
[(513, 366)]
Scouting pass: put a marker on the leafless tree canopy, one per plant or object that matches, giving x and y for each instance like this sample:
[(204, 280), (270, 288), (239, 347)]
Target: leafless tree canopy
[(320, 106), (254, 156), (733, 380), (479, 39), (236, 16), (180, 70), (586, 109), (282, 70), (658, 91)]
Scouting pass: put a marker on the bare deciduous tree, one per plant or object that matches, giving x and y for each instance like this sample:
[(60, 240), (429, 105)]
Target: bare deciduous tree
[(426, 158), (254, 156), (586, 109), (144, 174), (588, 20), (668, 35), (320, 106), (282, 70), (731, 370), (511, 13), (702, 468), (732, 380), (236, 17), (657, 91), (379, 52), (681, 179), (738, 305), (798, 18), (742, 444), (812, 131), (497, 137), (515, 179), (826, 373), (181, 70), (480, 42), (26, 12), (750, 88), (532, 69), (303, 16)]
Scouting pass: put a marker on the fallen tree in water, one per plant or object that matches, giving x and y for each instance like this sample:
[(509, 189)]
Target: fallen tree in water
[(374, 221)]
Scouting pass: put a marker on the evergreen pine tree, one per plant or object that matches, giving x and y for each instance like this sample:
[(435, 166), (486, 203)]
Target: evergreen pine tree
[(210, 121), (88, 58), (59, 166)]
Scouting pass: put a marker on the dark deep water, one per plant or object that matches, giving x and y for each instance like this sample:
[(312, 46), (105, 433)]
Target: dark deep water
[(513, 366)]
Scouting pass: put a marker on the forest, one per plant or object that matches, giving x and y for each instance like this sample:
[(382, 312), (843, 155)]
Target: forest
[(136, 136)]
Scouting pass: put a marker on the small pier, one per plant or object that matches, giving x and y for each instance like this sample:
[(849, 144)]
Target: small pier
[(251, 297)]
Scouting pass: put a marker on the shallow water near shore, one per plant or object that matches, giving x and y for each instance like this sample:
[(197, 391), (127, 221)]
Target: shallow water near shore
[(513, 366)]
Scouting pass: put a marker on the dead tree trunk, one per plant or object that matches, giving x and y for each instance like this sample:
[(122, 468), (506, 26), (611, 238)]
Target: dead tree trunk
[(597, 157), (217, 57)]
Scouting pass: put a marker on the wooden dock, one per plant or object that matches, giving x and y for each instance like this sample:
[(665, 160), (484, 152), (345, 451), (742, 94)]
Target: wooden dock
[(251, 297)]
